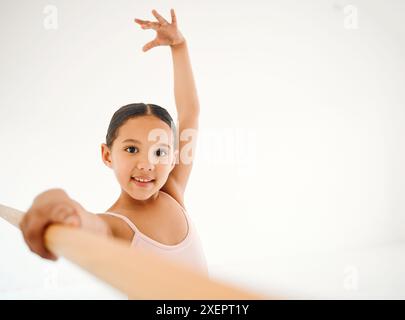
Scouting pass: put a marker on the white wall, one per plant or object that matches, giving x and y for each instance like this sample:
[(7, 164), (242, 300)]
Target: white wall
[(322, 105)]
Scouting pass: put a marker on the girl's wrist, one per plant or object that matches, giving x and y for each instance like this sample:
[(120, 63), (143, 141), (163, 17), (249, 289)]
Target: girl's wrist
[(180, 44)]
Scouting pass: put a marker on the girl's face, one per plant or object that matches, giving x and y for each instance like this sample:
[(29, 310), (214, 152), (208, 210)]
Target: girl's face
[(143, 148)]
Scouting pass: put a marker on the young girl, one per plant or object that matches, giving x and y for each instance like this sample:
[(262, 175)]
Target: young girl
[(150, 212)]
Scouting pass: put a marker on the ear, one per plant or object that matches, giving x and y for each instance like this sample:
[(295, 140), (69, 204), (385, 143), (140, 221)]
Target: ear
[(106, 155)]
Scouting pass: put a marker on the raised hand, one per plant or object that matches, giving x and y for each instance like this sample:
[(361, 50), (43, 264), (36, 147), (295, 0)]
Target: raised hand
[(167, 34)]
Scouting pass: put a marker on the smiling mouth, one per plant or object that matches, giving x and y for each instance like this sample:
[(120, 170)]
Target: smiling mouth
[(139, 179), (142, 183)]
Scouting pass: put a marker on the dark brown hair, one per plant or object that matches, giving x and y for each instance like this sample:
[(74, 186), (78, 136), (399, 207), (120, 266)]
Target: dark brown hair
[(136, 110)]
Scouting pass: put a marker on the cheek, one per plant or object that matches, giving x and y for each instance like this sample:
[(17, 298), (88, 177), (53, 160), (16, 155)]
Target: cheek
[(122, 168), (167, 161), (162, 171)]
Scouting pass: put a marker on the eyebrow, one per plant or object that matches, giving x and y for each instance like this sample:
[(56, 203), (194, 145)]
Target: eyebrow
[(139, 142)]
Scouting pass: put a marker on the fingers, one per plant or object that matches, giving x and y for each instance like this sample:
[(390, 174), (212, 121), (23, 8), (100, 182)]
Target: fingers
[(162, 21), (140, 21), (150, 45), (174, 19), (34, 224), (65, 214), (147, 24), (33, 229), (159, 17)]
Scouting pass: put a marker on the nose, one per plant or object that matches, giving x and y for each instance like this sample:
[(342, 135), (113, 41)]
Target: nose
[(145, 166)]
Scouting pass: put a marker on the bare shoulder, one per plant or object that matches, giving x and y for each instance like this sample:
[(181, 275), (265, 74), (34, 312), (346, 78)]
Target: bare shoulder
[(119, 227), (175, 191)]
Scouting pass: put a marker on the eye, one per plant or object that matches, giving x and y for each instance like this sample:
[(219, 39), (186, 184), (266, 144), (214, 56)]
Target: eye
[(160, 151), (131, 148)]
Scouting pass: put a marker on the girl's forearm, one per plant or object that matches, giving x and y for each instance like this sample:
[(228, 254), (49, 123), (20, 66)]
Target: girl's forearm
[(185, 91)]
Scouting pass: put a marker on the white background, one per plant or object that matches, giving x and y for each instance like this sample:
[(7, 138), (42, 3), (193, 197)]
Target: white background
[(298, 184)]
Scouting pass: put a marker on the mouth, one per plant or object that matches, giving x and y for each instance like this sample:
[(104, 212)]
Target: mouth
[(142, 182)]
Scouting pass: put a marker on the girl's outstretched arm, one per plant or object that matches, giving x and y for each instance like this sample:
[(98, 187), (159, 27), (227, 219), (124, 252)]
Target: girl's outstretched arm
[(186, 98), (55, 206)]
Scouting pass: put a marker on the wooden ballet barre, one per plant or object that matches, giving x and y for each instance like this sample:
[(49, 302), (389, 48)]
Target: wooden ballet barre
[(137, 273), (11, 215)]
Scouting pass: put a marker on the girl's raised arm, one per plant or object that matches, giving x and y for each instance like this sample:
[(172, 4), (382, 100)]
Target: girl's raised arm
[(186, 98)]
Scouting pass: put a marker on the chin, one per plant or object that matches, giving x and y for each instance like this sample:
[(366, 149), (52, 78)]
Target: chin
[(145, 196)]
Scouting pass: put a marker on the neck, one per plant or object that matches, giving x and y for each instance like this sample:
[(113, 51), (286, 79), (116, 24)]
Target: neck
[(126, 202)]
